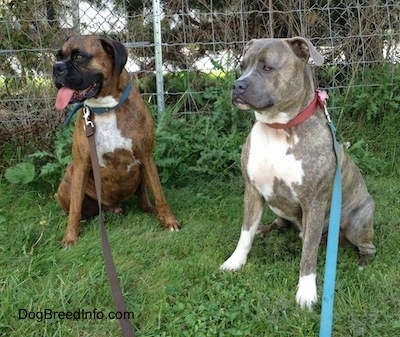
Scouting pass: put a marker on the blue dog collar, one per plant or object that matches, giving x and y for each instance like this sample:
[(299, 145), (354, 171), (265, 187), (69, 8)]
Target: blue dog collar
[(99, 110)]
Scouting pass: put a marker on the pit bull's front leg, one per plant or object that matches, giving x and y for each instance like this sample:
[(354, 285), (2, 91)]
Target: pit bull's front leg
[(313, 224), (253, 209)]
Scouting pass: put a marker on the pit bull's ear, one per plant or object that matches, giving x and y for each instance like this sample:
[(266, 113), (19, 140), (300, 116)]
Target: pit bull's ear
[(304, 49), (247, 46), (118, 53)]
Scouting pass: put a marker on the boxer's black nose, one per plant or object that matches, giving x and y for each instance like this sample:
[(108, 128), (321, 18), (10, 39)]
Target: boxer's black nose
[(59, 68), (240, 86)]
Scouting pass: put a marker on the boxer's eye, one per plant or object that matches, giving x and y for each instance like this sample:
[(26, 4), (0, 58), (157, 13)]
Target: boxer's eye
[(78, 57)]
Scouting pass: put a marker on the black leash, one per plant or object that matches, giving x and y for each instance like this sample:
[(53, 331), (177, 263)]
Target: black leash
[(119, 303)]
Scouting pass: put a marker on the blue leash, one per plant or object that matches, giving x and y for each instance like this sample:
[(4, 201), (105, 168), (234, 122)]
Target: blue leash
[(333, 242)]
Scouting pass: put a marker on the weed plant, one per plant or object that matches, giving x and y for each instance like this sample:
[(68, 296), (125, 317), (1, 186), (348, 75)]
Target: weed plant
[(368, 119), (202, 145)]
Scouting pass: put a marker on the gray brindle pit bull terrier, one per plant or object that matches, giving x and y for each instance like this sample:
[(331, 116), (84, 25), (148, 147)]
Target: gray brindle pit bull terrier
[(291, 166)]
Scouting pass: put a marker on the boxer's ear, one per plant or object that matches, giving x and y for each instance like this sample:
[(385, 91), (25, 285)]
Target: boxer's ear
[(118, 53), (304, 49)]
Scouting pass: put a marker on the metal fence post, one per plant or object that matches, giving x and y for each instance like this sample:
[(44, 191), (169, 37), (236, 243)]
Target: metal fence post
[(158, 55), (76, 21)]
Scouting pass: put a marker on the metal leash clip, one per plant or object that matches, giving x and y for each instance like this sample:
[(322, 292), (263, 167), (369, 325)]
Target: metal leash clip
[(327, 115), (323, 97), (86, 117)]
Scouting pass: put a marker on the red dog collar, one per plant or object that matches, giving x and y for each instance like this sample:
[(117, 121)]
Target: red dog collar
[(319, 99)]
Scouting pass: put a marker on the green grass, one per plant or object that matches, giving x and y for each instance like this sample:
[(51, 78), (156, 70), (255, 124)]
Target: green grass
[(171, 281)]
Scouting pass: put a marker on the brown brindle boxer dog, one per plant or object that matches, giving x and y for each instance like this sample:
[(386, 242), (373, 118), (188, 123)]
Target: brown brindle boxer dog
[(90, 69)]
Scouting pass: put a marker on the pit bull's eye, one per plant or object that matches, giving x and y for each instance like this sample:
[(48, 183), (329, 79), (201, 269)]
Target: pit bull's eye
[(267, 68)]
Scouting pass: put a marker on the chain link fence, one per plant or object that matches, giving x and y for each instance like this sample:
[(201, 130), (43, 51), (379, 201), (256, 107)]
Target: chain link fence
[(198, 37)]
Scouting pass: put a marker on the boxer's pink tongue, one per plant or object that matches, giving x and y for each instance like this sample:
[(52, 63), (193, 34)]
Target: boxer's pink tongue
[(64, 95)]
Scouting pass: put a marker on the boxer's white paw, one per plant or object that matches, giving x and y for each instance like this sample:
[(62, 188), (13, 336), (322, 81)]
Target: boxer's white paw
[(235, 262), (307, 291)]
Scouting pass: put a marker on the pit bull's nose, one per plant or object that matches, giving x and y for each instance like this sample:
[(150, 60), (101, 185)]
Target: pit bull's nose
[(240, 86), (59, 68)]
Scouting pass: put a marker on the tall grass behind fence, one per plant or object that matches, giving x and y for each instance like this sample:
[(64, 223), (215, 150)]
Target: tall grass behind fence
[(198, 37)]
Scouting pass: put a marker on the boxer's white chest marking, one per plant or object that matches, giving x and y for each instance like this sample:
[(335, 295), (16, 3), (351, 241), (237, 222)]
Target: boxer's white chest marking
[(108, 136), (101, 102), (270, 157)]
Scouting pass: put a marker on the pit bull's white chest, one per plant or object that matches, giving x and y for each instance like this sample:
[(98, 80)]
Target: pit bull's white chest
[(271, 158), (108, 136)]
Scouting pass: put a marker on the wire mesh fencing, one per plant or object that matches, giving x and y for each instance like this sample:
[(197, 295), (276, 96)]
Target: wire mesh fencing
[(202, 43)]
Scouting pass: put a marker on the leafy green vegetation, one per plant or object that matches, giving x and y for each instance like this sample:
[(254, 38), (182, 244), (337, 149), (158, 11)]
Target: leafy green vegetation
[(368, 119), (208, 144)]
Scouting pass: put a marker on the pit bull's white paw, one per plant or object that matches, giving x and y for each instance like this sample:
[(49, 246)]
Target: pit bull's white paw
[(239, 257), (235, 262), (307, 291)]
